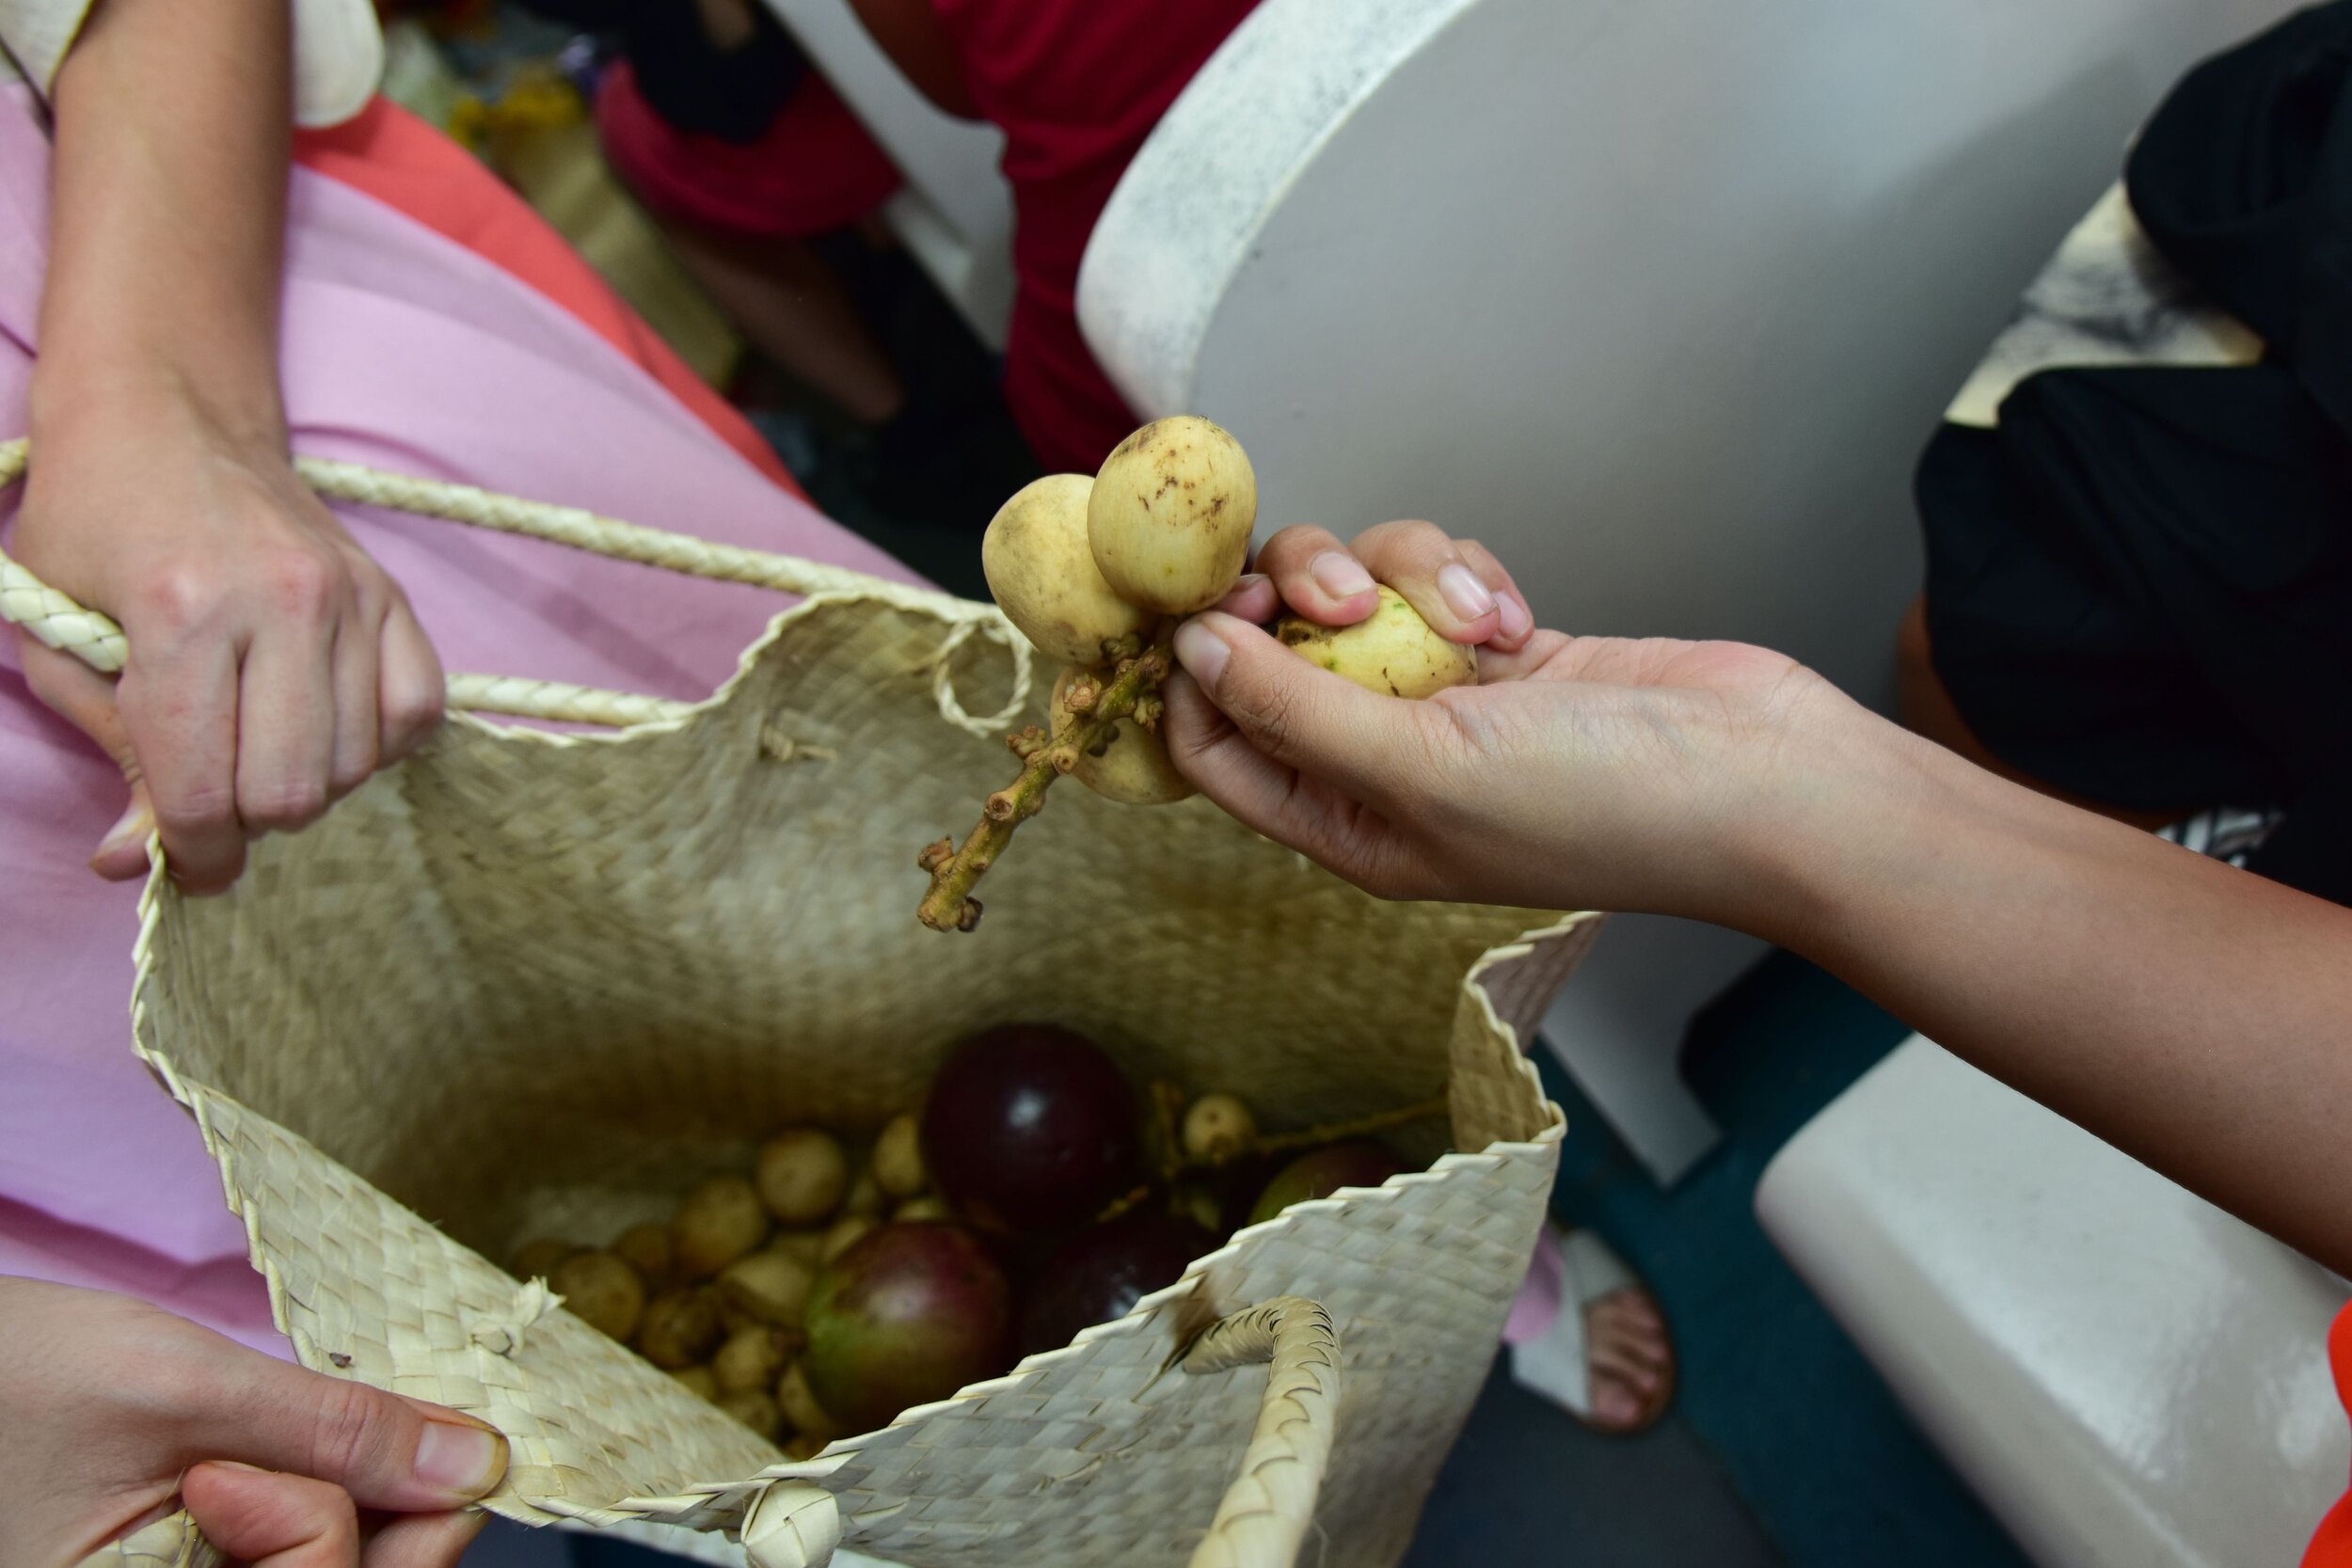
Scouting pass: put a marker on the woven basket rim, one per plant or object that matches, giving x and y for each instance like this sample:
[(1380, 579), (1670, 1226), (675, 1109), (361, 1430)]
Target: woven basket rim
[(949, 609)]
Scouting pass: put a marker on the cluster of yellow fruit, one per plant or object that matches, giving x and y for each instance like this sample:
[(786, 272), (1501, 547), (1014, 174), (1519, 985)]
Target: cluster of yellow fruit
[(716, 1297), (1095, 573)]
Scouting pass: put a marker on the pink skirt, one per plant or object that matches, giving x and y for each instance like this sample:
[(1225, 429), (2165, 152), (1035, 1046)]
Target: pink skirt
[(406, 349)]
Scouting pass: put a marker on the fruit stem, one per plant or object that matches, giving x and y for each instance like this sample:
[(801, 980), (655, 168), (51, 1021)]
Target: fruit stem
[(950, 905), (1172, 1170), (1362, 1127)]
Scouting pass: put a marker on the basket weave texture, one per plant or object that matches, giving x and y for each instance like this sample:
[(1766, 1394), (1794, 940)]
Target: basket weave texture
[(530, 984)]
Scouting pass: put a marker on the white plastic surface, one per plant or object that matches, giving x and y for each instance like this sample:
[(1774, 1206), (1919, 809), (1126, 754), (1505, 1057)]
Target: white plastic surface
[(1660, 300), (2129, 1377), (955, 214)]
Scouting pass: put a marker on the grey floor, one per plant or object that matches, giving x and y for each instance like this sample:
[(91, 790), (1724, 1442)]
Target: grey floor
[(1526, 1487)]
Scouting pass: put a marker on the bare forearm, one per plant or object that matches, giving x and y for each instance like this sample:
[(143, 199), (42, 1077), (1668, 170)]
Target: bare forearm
[(172, 129), (2197, 1016)]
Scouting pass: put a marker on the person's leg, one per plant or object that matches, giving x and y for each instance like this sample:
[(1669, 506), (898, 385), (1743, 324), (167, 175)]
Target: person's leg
[(785, 299), (1587, 1334)]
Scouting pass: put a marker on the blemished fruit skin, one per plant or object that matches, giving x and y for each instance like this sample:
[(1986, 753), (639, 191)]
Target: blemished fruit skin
[(1040, 570), (1131, 768), (1360, 1162), (1029, 1129), (1392, 651), (1101, 1272), (1169, 516), (909, 1315)]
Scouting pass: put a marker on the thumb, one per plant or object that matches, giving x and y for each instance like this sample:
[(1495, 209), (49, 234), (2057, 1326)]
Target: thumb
[(1294, 714), (387, 1451), (85, 699)]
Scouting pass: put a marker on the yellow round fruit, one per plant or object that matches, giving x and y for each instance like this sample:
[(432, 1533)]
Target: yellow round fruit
[(721, 1221), (1041, 572), (1132, 767), (1170, 515), (1217, 1128), (1392, 651), (756, 1408), (801, 1176), (768, 1287), (602, 1290), (898, 1160)]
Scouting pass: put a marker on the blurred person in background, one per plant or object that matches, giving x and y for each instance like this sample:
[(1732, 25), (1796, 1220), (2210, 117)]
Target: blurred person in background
[(750, 153)]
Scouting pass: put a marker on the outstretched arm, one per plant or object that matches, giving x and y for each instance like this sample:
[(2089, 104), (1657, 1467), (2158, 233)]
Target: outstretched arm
[(2195, 1016)]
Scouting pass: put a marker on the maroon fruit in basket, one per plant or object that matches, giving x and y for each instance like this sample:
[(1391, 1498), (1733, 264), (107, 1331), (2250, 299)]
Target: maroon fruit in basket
[(1101, 1272), (1030, 1128), (909, 1314), (1358, 1162)]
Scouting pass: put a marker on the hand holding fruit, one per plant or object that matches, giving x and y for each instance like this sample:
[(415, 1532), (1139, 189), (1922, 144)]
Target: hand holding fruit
[(1576, 773)]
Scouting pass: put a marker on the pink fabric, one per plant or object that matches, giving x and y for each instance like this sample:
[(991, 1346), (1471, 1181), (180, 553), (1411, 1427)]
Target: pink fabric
[(406, 352), (1542, 1294)]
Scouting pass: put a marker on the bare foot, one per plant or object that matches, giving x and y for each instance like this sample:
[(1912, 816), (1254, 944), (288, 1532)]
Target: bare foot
[(1630, 1355)]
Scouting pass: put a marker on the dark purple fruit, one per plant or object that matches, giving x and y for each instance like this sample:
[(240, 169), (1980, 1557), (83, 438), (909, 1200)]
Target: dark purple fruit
[(1357, 1164), (1030, 1128), (1101, 1272), (909, 1315)]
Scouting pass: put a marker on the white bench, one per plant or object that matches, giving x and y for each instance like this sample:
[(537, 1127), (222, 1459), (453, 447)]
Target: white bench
[(2127, 1376)]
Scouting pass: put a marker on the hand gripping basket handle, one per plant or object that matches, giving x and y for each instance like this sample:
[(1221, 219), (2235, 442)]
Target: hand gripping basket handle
[(1261, 1521), (55, 619)]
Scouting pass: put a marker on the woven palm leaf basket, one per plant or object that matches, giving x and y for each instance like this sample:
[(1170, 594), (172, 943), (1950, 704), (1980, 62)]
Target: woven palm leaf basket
[(530, 983)]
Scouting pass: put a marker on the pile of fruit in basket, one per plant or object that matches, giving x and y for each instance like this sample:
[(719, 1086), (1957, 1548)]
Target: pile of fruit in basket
[(1035, 1192)]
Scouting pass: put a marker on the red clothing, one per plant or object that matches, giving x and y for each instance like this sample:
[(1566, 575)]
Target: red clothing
[(815, 169), (387, 154), (1075, 86), (2332, 1547)]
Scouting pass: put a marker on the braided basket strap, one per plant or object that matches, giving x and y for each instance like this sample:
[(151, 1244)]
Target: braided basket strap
[(54, 619), (1266, 1512)]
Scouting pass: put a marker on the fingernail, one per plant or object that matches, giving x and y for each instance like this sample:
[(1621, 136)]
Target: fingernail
[(130, 827), (1247, 580), (1202, 652), (1515, 620), (1463, 593), (461, 1459), (1339, 574)]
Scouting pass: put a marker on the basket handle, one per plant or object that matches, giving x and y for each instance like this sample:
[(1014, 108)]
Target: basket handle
[(1270, 1505), (1261, 1521), (95, 639)]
